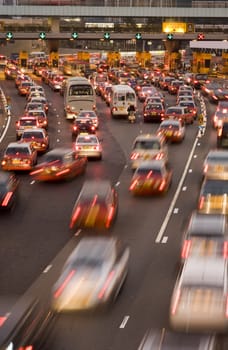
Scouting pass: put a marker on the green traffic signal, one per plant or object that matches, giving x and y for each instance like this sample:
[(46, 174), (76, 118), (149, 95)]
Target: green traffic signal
[(138, 36), (42, 35), (170, 36), (9, 35), (74, 35), (106, 35)]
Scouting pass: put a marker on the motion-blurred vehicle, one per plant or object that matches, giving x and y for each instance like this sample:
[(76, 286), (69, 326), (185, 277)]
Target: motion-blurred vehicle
[(199, 79), (34, 105), (172, 129), (8, 190), (59, 164), (222, 135), (173, 87), (21, 77), (84, 125), (205, 236), (10, 72), (215, 165), (42, 100), (217, 95), (219, 117), (96, 205), (40, 115), (26, 122), (35, 94), (38, 138), (153, 111), (145, 91), (24, 86), (178, 112), (56, 82), (191, 106), (164, 82), (148, 147), (213, 197), (199, 299), (19, 156), (88, 145), (89, 114), (167, 340), (151, 177), (92, 276)]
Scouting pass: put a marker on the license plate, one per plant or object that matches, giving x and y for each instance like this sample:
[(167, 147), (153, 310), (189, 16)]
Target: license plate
[(92, 215), (86, 147), (219, 168), (121, 108), (169, 133), (16, 161), (147, 156), (153, 113)]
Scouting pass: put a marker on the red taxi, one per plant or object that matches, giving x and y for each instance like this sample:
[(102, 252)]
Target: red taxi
[(26, 122), (59, 164), (19, 156), (41, 116), (37, 137), (151, 177), (23, 88), (178, 112), (172, 129)]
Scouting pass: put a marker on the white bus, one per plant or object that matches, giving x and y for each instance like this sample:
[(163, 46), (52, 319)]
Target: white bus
[(79, 94), (121, 97)]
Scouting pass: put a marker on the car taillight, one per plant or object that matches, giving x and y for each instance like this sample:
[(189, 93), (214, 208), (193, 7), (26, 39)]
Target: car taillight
[(110, 216), (75, 216), (75, 128), (201, 202), (7, 199), (36, 171), (68, 109), (62, 172), (225, 250), (59, 291), (186, 249), (162, 185), (135, 156), (220, 132), (159, 156), (96, 148), (107, 282), (177, 297), (78, 148)]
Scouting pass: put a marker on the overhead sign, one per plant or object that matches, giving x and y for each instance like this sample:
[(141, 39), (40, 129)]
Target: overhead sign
[(195, 44), (174, 27)]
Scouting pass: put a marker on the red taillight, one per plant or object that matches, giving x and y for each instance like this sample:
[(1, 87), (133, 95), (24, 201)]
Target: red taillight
[(7, 199), (205, 169), (103, 290), (174, 308), (96, 148), (225, 250), (110, 216), (134, 156), (75, 216), (2, 320), (59, 291), (78, 148), (134, 183), (62, 172), (186, 249), (162, 185), (201, 202), (36, 171), (159, 156)]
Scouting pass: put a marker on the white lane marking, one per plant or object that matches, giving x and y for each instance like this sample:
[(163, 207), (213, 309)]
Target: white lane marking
[(125, 166), (118, 183), (164, 239), (190, 171), (32, 182), (59, 123), (58, 140), (47, 268), (77, 232), (184, 188), (124, 322), (176, 211), (59, 130), (5, 130), (170, 210), (195, 156)]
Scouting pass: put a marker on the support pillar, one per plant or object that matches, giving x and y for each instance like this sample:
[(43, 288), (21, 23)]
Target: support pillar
[(53, 45)]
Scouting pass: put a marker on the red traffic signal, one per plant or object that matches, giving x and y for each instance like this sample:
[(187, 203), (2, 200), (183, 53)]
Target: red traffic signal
[(200, 36)]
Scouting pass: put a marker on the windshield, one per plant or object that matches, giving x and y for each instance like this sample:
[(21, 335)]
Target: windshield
[(147, 144), (80, 90), (17, 150)]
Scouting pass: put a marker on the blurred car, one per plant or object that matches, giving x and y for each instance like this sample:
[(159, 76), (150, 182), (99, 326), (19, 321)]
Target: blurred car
[(145, 91), (156, 98), (205, 236), (89, 114), (82, 126), (148, 147), (213, 197), (178, 112), (153, 112), (199, 299), (19, 156), (191, 106), (36, 88), (92, 276), (56, 82), (42, 100), (217, 95), (219, 117), (40, 115), (222, 135), (10, 72), (96, 205), (26, 122), (173, 87), (38, 138), (165, 81), (23, 87), (21, 77), (167, 340), (215, 165), (172, 129), (106, 95), (151, 177), (88, 145), (8, 190), (223, 106), (35, 94), (59, 164), (208, 88), (199, 79)]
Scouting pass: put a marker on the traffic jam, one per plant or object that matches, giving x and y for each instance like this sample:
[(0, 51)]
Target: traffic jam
[(144, 99)]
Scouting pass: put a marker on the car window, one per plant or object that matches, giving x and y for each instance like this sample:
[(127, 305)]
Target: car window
[(147, 144), (17, 150)]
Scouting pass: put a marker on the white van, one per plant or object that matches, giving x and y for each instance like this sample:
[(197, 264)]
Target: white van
[(79, 94), (120, 98)]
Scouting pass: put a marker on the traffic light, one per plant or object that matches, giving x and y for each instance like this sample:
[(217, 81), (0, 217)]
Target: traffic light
[(42, 35), (74, 35), (9, 36), (169, 36), (107, 36), (138, 36), (200, 36)]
